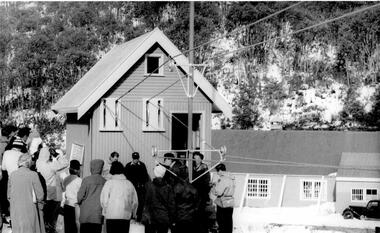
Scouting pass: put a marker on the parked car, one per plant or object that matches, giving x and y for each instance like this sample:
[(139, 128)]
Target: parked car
[(371, 211)]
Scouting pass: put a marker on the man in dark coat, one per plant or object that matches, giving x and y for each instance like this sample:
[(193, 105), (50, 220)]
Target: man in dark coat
[(176, 170), (159, 209), (202, 185), (91, 218), (187, 203), (136, 172)]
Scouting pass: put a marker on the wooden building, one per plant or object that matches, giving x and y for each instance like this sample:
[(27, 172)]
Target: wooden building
[(132, 99)]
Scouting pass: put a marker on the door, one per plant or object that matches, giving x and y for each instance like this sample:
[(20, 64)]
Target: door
[(179, 131)]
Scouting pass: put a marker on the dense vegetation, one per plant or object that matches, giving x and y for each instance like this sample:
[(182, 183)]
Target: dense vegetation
[(46, 47)]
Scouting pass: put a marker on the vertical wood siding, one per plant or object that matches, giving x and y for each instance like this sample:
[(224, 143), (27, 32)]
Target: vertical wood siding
[(132, 138)]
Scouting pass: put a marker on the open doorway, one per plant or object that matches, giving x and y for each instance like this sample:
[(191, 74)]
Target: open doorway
[(179, 131)]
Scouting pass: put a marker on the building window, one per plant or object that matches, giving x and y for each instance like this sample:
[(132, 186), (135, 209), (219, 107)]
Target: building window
[(357, 195), (311, 190), (258, 188), (110, 114), (153, 115), (153, 64), (371, 194)]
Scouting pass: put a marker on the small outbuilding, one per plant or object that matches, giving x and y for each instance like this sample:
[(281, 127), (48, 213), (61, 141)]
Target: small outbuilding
[(133, 98), (358, 179)]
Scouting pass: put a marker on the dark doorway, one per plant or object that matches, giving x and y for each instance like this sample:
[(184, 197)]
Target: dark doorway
[(179, 131)]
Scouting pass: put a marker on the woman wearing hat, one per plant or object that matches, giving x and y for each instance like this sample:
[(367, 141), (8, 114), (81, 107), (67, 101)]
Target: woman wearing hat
[(26, 195)]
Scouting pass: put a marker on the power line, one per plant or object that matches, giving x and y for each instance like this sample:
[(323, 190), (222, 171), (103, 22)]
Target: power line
[(247, 26), (294, 32), (172, 58)]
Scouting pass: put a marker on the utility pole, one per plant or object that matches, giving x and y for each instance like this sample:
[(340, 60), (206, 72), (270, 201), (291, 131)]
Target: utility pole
[(190, 93)]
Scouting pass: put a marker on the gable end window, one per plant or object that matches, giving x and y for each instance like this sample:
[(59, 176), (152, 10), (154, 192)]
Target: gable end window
[(153, 63), (312, 189), (110, 115), (258, 188), (153, 115)]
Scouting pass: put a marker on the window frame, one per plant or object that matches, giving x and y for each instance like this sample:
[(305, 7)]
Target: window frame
[(313, 190), (160, 114), (160, 62), (259, 190), (104, 126), (363, 195)]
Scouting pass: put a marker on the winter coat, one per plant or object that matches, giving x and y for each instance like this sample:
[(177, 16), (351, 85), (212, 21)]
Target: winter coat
[(137, 174), (10, 160), (89, 195), (119, 198), (223, 188), (49, 170), (187, 202), (159, 202), (26, 216), (203, 183)]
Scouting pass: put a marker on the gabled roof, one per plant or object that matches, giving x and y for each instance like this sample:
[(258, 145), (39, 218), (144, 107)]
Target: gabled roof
[(110, 68), (359, 165), (310, 147)]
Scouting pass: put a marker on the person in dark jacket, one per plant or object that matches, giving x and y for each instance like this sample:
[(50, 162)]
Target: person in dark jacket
[(136, 172), (202, 185), (187, 204), (159, 210), (91, 218), (176, 172)]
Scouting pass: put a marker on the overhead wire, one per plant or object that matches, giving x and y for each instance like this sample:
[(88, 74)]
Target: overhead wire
[(170, 58), (294, 32)]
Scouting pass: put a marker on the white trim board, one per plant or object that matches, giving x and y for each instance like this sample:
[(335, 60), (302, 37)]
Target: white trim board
[(357, 179)]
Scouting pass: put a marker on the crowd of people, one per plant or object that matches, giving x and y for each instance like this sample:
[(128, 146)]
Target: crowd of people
[(38, 183)]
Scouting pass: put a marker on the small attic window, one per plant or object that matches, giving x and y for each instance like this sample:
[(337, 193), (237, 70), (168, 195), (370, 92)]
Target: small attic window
[(153, 63)]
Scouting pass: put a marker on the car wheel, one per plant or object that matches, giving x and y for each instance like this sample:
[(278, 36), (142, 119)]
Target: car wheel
[(362, 217), (348, 214)]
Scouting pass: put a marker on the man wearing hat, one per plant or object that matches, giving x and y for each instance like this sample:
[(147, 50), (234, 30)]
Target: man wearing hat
[(136, 172), (71, 185)]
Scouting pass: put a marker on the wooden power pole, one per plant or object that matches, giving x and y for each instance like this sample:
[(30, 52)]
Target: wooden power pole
[(190, 93)]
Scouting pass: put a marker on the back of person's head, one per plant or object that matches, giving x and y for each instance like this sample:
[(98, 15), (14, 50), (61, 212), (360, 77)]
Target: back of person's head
[(117, 168), (220, 167), (24, 160), (74, 167), (114, 154), (25, 131), (7, 130), (96, 166), (159, 171)]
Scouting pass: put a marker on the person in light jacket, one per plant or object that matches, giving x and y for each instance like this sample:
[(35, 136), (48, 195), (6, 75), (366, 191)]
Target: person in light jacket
[(49, 164), (119, 200), (91, 218), (224, 188)]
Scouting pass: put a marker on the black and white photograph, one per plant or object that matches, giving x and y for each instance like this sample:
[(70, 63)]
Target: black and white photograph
[(189, 116)]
